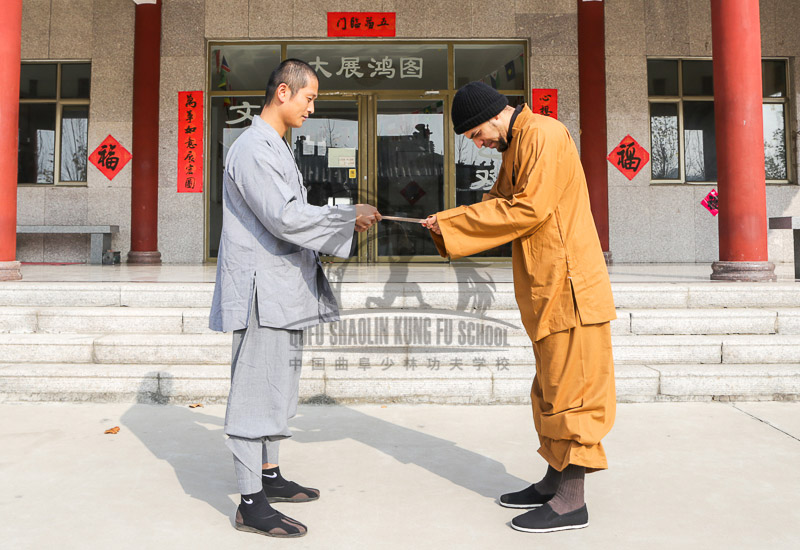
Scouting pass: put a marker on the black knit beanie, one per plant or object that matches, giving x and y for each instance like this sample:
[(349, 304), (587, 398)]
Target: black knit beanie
[(474, 104)]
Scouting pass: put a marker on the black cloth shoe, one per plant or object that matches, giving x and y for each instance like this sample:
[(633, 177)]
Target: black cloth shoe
[(254, 515), (279, 489), (526, 498), (545, 520)]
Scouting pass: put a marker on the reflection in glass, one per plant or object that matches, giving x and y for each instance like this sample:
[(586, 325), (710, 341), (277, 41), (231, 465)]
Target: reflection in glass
[(375, 66), (326, 151), (699, 137), (476, 172), (664, 141), (773, 78), (662, 77), (75, 80), (230, 116), (236, 67), (37, 81), (410, 173), (698, 78), (774, 141), (74, 142), (501, 66), (36, 153)]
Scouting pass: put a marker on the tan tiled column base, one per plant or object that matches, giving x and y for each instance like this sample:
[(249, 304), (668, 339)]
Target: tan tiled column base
[(145, 258), (9, 271), (743, 271)]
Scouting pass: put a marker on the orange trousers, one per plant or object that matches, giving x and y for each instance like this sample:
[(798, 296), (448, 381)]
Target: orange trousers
[(573, 396)]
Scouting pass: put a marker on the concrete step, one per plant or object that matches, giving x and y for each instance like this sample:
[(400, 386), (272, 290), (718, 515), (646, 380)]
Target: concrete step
[(468, 296), (215, 349), (210, 384), (115, 320), (704, 321), (83, 320)]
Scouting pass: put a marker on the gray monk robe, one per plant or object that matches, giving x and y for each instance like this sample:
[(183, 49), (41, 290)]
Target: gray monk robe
[(269, 265)]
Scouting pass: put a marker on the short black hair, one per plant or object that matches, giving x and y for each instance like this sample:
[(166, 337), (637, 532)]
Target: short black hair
[(292, 72)]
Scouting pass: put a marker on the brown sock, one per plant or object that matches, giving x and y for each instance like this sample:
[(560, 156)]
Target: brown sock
[(549, 483), (569, 496)]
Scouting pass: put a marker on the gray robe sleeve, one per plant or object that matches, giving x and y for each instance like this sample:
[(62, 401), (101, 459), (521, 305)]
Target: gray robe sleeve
[(284, 212)]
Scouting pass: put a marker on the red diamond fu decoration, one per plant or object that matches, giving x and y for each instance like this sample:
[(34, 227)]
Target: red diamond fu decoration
[(110, 157), (629, 157), (711, 202), (412, 192)]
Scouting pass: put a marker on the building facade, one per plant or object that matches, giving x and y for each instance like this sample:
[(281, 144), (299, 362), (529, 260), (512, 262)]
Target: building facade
[(381, 132)]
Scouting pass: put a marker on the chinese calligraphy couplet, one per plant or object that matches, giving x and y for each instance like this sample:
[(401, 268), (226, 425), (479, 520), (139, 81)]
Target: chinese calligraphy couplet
[(629, 157), (545, 102), (190, 142), (364, 24), (110, 157)]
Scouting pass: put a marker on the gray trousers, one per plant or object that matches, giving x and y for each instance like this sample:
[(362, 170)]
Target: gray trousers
[(265, 381)]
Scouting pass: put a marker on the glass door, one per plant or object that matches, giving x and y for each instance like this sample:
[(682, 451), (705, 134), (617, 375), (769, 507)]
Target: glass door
[(327, 151), (409, 175)]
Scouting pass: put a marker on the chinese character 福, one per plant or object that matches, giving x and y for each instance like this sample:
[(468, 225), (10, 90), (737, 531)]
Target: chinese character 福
[(108, 157), (627, 157)]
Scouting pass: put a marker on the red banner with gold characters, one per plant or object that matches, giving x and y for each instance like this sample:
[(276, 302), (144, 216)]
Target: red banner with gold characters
[(190, 142), (361, 23), (545, 102)]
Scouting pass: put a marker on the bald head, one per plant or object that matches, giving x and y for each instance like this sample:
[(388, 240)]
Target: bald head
[(296, 74)]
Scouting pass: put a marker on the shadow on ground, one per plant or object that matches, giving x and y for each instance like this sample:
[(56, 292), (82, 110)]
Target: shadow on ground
[(192, 442), (441, 457)]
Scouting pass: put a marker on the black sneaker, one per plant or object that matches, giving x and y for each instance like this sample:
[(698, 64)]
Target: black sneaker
[(279, 489), (545, 520), (526, 498), (273, 524)]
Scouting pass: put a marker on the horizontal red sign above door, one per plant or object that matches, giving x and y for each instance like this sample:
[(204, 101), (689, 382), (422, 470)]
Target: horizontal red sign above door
[(365, 24)]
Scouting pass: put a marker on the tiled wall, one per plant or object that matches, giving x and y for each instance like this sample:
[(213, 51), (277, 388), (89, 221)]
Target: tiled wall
[(667, 223), (648, 223)]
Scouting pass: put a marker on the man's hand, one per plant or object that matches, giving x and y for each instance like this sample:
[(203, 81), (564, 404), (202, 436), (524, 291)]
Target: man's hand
[(432, 224), (366, 215)]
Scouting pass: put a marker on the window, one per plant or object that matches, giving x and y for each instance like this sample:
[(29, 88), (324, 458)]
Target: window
[(53, 123), (682, 133)]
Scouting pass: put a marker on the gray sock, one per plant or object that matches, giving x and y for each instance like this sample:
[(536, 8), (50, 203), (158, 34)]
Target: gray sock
[(569, 496), (271, 452), (549, 483)]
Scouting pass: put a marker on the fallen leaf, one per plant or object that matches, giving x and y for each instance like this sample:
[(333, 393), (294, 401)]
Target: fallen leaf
[(113, 430), (195, 405)]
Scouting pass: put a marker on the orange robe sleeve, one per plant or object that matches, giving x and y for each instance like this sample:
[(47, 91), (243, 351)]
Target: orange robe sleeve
[(474, 228)]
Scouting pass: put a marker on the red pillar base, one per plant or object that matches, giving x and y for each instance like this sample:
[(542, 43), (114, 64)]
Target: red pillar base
[(144, 258), (743, 271), (9, 271)]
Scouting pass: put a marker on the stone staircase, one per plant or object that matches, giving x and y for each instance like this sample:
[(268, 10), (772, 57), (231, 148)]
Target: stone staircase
[(414, 342)]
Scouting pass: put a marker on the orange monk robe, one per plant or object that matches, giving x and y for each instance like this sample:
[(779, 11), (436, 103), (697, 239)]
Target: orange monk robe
[(540, 203)]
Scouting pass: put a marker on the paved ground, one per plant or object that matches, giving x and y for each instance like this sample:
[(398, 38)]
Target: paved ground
[(683, 475)]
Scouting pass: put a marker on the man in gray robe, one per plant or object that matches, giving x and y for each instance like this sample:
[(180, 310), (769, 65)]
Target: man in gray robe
[(269, 287)]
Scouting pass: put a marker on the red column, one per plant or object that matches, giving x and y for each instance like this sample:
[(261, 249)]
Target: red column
[(736, 41), (592, 84), (144, 164), (10, 43)]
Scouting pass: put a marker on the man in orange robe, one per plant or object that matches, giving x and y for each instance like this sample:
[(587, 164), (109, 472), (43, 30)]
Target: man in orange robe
[(540, 203)]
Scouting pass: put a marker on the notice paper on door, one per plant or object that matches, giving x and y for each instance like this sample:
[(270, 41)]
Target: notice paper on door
[(341, 157)]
